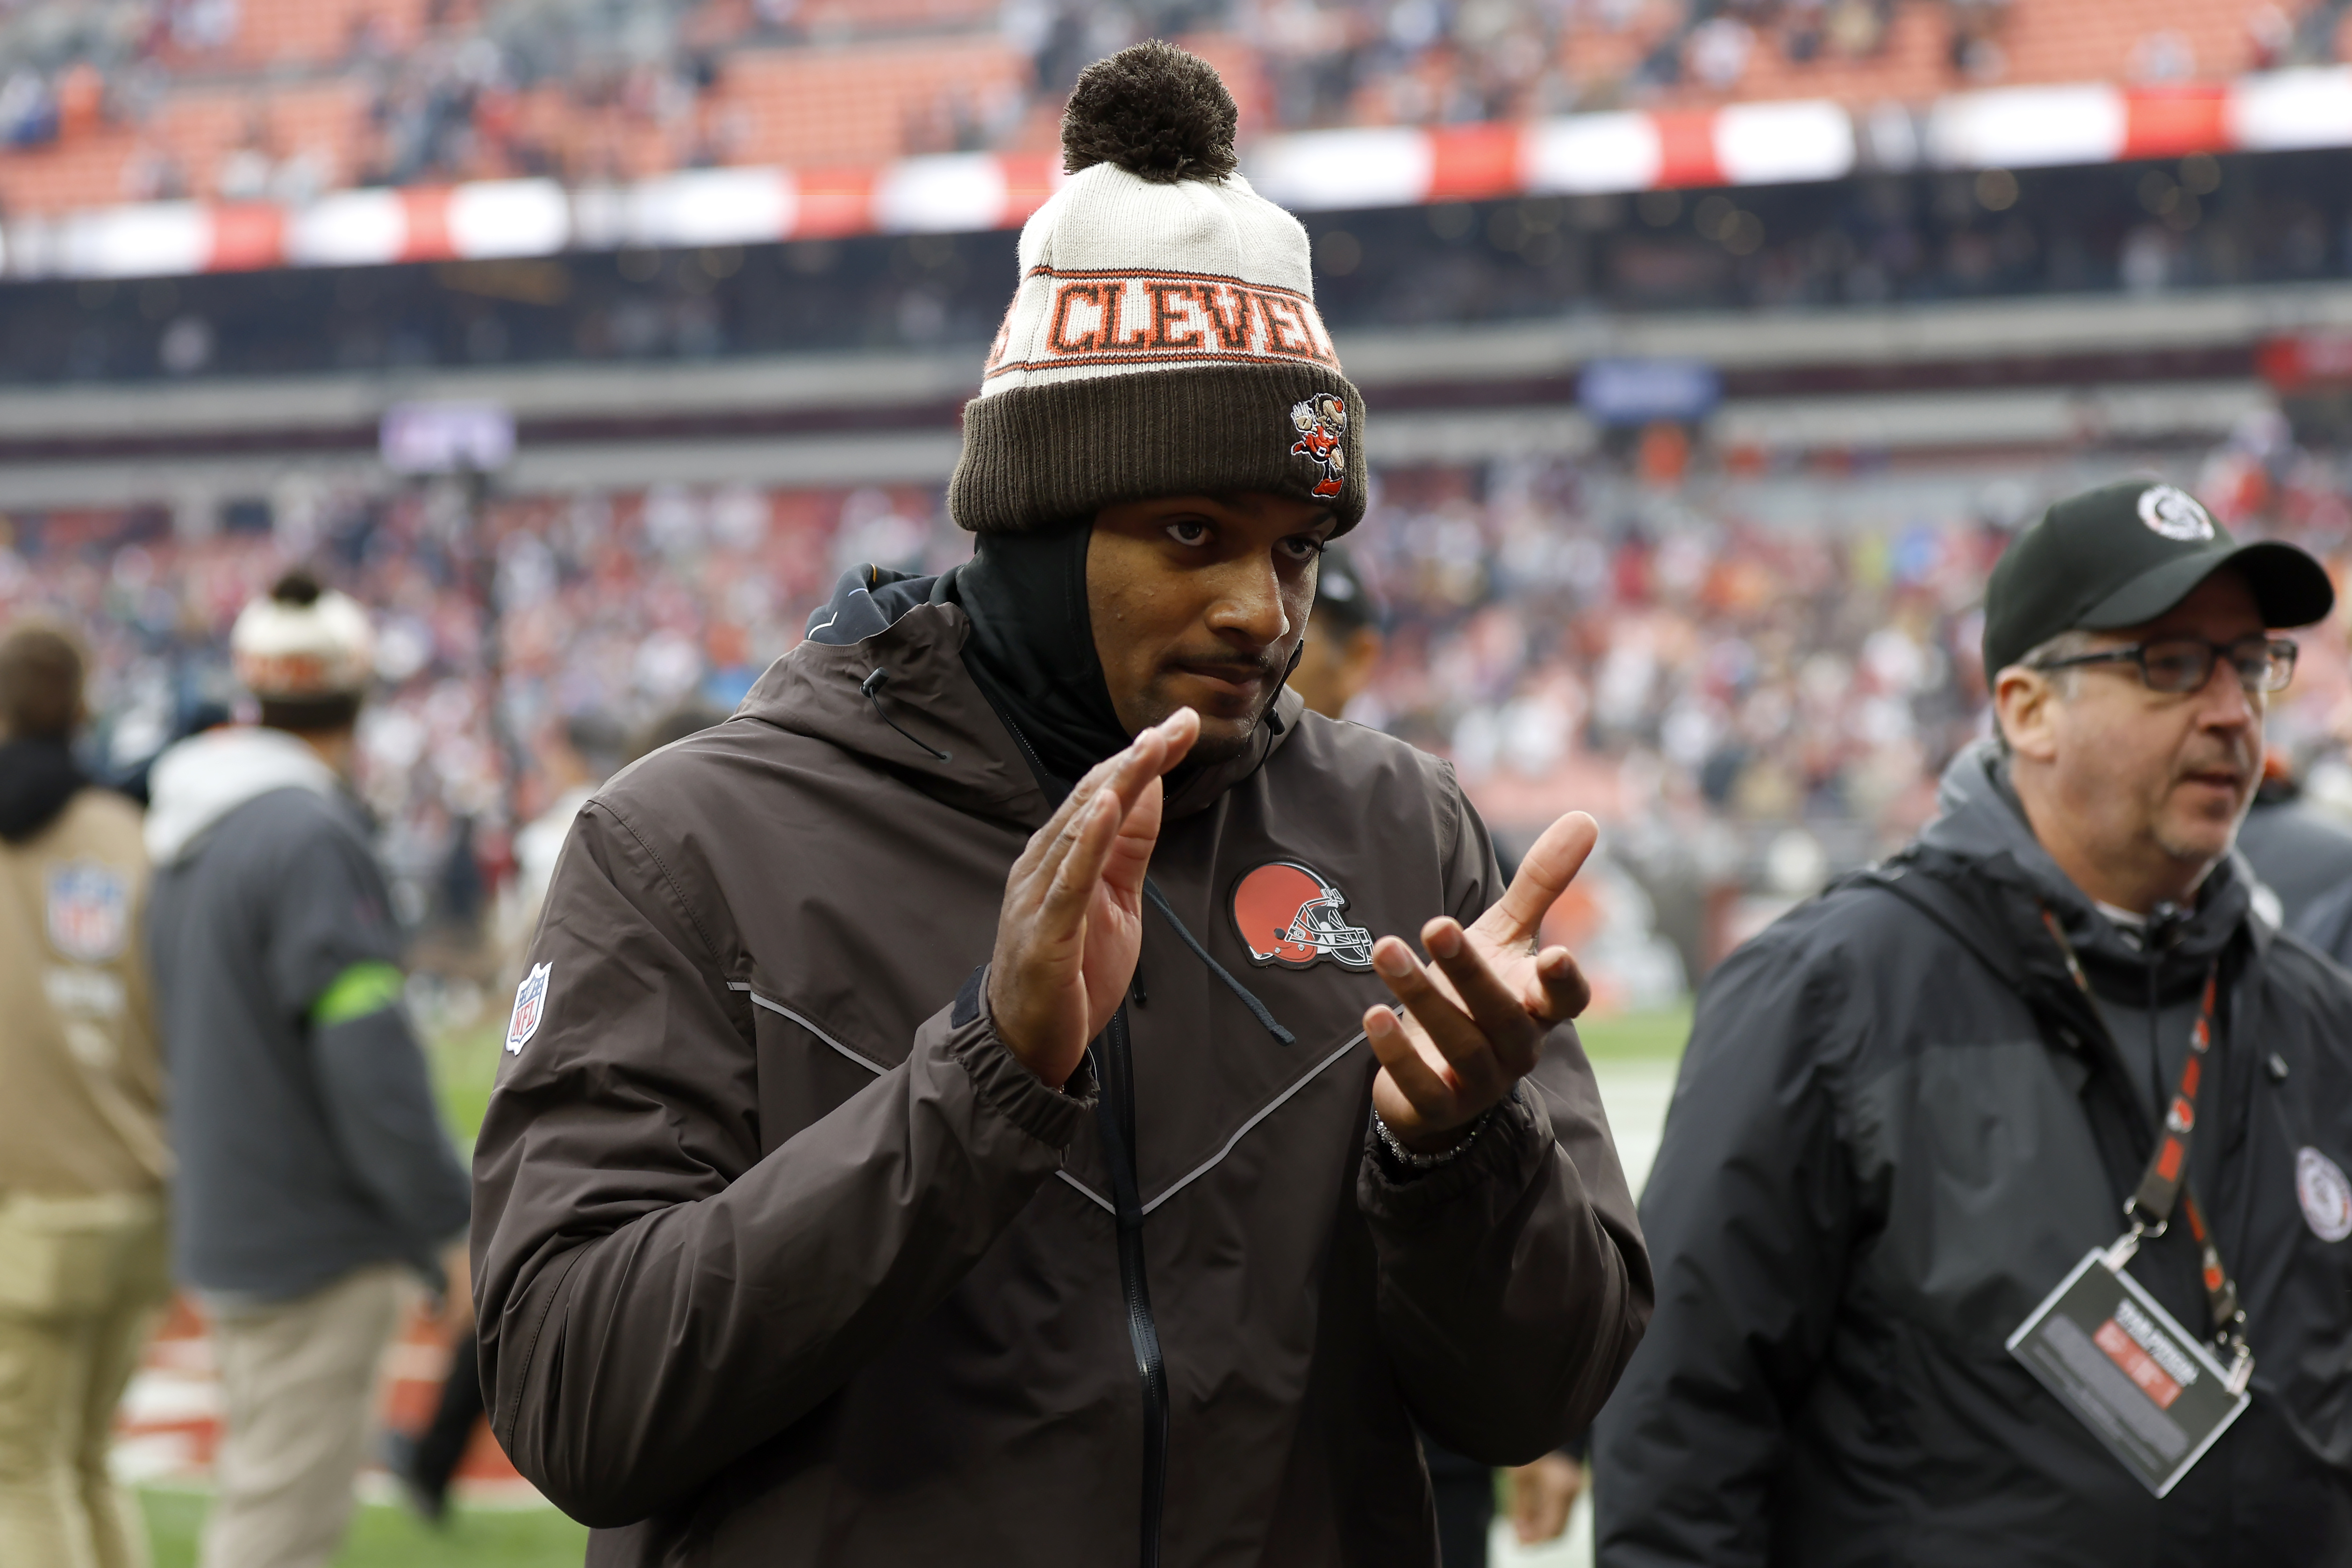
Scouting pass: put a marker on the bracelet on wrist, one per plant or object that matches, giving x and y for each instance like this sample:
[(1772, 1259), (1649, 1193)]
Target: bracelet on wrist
[(1413, 1161)]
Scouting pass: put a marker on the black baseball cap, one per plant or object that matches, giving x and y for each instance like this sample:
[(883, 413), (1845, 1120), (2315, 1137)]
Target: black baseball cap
[(2125, 553), (1340, 592)]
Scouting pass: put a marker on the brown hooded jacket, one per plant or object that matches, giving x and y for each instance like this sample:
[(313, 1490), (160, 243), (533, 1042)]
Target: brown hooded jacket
[(780, 1258)]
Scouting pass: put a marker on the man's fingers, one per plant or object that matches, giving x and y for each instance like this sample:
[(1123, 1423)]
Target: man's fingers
[(1415, 1077), (1144, 757), (1031, 880), (1501, 1016), (1151, 754), (1457, 1036), (1178, 731), (1543, 875), (1561, 990), (1063, 911)]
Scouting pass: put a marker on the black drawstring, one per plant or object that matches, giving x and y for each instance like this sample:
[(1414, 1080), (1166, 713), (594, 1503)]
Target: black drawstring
[(1257, 1008), (1057, 791), (872, 686)]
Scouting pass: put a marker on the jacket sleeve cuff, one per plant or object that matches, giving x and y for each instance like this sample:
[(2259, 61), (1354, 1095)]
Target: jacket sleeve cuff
[(1494, 1170), (1052, 1116)]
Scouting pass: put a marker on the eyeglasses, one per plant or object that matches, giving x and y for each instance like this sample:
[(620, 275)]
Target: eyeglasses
[(2185, 663)]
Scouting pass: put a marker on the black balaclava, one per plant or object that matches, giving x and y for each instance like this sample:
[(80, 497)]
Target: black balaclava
[(1032, 643)]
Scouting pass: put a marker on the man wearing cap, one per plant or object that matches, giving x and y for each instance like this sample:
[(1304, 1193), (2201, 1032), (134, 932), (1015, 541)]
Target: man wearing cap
[(956, 1111), (1343, 638), (314, 1179), (1913, 1108)]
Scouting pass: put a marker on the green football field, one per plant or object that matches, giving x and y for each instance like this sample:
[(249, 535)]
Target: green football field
[(1631, 1053)]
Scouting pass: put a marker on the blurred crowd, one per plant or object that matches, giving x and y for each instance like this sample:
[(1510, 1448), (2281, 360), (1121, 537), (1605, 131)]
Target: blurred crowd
[(1571, 633), (244, 99)]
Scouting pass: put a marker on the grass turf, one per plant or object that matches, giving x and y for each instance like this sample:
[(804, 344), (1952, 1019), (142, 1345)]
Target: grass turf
[(1654, 1035), (465, 1064), (393, 1538)]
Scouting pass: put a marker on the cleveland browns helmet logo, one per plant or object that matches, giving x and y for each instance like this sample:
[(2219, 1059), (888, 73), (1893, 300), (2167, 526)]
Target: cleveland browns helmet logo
[(1288, 914), (1321, 422)]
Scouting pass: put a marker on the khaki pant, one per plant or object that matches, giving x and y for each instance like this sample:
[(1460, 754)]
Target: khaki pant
[(81, 1283), (298, 1380)]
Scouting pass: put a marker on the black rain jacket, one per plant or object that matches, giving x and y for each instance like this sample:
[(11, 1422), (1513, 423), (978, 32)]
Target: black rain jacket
[(1897, 1127)]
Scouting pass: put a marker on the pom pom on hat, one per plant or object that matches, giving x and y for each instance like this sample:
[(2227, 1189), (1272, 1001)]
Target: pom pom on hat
[(1155, 110), (301, 642), (1164, 339)]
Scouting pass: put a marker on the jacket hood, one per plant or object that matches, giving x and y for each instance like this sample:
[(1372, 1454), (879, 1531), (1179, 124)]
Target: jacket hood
[(206, 776), (925, 717), (1982, 827), (37, 779)]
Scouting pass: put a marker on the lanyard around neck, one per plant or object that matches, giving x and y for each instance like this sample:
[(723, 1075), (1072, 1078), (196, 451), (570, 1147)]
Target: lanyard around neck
[(2166, 1180)]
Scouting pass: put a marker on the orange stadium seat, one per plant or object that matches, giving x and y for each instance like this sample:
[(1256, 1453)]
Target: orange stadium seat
[(2084, 40), (822, 16), (325, 119), (276, 32), (2039, 41), (86, 172), (855, 104), (199, 128)]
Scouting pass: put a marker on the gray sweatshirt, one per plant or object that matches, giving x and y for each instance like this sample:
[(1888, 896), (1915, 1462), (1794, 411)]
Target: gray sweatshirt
[(306, 1150)]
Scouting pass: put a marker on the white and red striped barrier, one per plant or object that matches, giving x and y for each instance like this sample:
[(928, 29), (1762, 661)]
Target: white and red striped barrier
[(1322, 170)]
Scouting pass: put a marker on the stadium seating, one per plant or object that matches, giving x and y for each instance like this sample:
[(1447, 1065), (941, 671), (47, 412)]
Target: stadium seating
[(867, 104), (280, 32), (824, 83)]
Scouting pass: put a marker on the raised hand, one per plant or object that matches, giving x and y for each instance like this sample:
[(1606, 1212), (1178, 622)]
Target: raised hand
[(1474, 1023), (1071, 924)]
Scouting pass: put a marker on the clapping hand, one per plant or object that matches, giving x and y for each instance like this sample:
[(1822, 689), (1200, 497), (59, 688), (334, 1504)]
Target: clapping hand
[(1072, 925), (1474, 1024)]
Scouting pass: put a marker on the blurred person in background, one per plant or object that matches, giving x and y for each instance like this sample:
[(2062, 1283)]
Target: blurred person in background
[(84, 1268), (1911, 1105), (1341, 649), (676, 724), (314, 1178), (2303, 857), (1343, 643), (581, 755)]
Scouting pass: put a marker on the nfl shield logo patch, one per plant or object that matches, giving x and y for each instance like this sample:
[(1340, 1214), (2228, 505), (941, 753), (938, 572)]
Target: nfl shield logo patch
[(89, 910), (530, 1007)]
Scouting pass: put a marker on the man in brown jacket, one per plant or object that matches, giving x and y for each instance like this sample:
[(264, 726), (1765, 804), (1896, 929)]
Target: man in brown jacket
[(83, 1269), (902, 1155)]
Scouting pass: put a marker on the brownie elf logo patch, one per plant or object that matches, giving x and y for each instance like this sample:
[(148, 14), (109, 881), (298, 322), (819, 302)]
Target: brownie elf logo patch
[(2325, 1195), (1321, 422), (530, 1007), (1290, 915)]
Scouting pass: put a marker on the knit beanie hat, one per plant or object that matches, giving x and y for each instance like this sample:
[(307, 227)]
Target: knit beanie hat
[(303, 643), (1163, 338)]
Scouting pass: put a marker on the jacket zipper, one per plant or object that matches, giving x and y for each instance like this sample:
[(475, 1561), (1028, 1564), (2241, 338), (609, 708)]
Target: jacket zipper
[(1115, 1111), (1115, 1117)]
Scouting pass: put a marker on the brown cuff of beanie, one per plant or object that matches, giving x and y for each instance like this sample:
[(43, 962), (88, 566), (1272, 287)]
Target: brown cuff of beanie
[(1038, 456)]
